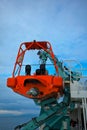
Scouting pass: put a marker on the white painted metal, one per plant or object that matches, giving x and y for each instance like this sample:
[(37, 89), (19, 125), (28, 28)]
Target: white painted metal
[(78, 89)]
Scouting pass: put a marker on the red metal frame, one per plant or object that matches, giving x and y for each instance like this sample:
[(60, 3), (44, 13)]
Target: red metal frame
[(46, 46)]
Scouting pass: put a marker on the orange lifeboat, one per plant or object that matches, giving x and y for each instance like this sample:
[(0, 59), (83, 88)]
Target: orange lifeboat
[(39, 85)]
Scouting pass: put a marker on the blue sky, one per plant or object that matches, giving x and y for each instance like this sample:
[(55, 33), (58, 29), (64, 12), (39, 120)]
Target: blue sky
[(61, 22)]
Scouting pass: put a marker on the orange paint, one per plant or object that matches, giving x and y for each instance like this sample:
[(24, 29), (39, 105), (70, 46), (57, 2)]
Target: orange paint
[(44, 85)]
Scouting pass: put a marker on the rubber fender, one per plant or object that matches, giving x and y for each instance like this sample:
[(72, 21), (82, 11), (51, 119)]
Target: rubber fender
[(11, 82)]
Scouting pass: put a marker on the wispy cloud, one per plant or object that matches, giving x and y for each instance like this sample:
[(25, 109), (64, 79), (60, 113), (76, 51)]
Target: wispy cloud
[(21, 112), (62, 23), (10, 112)]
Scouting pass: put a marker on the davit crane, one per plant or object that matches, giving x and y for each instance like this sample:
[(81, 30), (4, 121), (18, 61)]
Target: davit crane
[(44, 88)]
